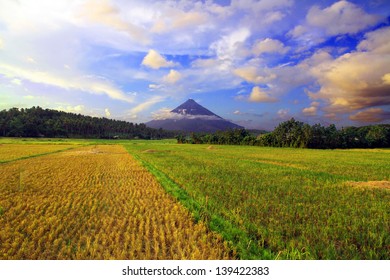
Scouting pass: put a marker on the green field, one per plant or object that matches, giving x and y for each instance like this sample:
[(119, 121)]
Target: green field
[(275, 203), (279, 202)]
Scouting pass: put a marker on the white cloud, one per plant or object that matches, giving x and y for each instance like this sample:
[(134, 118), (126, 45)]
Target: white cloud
[(155, 60), (1, 44), (312, 110), (231, 47), (104, 12), (355, 80), (297, 31), (272, 17), (269, 46), (154, 86), (377, 41), (145, 105), (205, 63), (261, 6), (107, 112), (342, 17), (71, 109), (172, 77), (283, 113), (166, 113), (258, 95), (251, 74), (86, 84), (189, 19)]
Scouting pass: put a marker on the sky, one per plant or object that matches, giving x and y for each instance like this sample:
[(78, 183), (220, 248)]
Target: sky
[(253, 62)]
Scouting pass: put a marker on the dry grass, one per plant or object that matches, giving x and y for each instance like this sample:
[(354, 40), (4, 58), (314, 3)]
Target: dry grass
[(95, 203), (9, 152), (371, 184)]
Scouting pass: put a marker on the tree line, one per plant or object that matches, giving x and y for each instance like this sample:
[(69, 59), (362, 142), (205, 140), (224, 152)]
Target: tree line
[(38, 122), (296, 134)]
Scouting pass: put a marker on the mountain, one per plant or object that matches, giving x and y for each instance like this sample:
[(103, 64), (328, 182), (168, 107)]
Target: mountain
[(192, 117), (190, 107)]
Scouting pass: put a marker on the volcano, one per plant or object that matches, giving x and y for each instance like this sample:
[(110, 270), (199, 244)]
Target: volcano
[(192, 117)]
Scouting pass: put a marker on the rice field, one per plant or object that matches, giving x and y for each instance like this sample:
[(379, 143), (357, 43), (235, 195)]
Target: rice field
[(10, 152), (95, 202), (159, 200), (281, 203)]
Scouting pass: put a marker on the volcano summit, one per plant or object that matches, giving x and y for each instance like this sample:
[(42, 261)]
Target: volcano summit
[(192, 117)]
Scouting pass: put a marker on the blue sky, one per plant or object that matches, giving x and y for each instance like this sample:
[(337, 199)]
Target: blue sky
[(256, 63)]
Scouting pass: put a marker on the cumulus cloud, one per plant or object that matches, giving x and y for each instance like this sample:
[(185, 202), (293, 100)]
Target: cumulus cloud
[(377, 42), (155, 60), (231, 47), (251, 74), (268, 46), (371, 115), (258, 95), (312, 110), (342, 17), (1, 44), (173, 77), (355, 80)]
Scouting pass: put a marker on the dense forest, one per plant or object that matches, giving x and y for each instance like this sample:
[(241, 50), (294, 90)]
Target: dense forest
[(297, 134), (38, 122)]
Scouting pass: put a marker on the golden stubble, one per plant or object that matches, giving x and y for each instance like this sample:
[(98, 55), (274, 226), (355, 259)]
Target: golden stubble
[(95, 202)]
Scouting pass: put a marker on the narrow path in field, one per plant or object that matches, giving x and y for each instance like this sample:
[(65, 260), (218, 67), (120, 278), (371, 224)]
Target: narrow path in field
[(95, 202)]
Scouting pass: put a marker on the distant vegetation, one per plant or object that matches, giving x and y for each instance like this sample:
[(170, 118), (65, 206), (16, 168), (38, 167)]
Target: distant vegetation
[(296, 134), (38, 122)]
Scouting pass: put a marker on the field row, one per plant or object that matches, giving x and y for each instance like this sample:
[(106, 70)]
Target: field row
[(95, 202)]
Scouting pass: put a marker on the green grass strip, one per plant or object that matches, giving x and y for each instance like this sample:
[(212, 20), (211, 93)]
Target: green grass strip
[(244, 246)]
